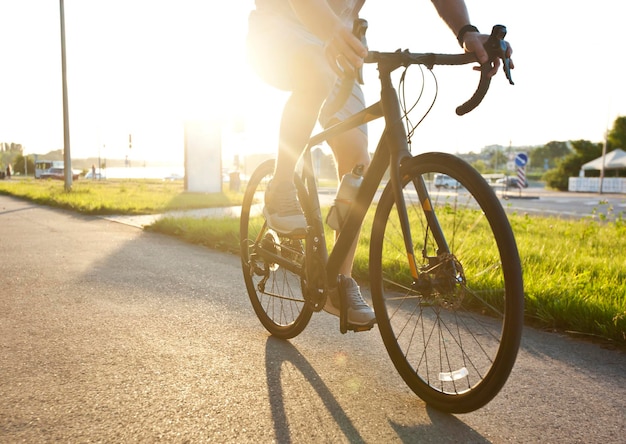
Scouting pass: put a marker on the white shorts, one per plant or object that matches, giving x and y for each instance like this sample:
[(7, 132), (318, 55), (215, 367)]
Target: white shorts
[(272, 42)]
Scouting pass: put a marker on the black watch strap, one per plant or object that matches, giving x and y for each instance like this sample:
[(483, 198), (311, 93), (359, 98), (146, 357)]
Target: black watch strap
[(465, 29)]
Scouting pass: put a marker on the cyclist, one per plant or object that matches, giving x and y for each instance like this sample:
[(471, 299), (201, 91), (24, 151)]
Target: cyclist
[(306, 47)]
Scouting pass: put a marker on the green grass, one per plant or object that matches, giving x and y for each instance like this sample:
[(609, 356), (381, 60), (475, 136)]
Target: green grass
[(574, 273), (217, 233), (574, 270), (116, 196)]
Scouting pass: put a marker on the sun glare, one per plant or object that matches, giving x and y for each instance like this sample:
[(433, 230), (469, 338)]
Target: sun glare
[(144, 67), (140, 70), (204, 76)]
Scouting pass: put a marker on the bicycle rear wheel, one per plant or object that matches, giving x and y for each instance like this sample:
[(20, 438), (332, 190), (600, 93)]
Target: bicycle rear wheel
[(272, 265), (453, 333)]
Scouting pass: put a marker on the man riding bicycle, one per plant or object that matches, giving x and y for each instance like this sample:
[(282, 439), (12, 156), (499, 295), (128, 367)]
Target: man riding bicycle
[(306, 47)]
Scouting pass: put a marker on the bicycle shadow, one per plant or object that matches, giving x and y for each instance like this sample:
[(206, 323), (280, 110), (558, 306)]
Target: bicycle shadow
[(442, 428)]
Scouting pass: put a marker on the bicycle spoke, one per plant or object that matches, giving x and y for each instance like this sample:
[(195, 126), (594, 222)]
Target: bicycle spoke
[(270, 264), (445, 330)]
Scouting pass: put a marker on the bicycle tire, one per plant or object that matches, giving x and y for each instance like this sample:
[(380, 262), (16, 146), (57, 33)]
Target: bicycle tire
[(276, 293), (454, 337)]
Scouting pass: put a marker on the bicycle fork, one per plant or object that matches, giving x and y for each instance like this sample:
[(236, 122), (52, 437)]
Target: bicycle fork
[(443, 271), (396, 139)]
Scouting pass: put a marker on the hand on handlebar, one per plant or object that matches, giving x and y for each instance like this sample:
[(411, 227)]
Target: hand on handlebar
[(345, 52), (477, 43), (490, 51)]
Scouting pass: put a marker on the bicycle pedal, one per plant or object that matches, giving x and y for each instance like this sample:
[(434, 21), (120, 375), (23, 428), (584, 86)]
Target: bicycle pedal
[(360, 328), (347, 326)]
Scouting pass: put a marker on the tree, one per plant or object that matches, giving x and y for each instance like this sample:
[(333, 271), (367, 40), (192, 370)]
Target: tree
[(14, 148), (617, 136), (18, 165), (550, 152), (569, 166), (8, 153), (495, 154), (480, 166)]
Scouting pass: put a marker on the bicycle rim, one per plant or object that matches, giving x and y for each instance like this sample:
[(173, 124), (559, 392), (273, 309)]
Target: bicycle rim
[(270, 264), (453, 334)]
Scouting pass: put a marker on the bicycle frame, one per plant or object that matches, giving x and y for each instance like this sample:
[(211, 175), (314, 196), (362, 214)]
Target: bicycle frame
[(392, 149)]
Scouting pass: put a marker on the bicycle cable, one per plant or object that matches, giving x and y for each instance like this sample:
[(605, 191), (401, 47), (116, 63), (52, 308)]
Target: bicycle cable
[(403, 101), (410, 127)]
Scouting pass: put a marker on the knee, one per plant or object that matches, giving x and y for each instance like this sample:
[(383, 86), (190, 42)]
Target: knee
[(317, 85), (350, 149)]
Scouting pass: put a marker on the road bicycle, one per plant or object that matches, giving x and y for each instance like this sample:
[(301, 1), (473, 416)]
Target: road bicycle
[(444, 269)]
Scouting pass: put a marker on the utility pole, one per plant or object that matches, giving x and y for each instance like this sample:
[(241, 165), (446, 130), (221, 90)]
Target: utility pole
[(602, 168), (67, 158)]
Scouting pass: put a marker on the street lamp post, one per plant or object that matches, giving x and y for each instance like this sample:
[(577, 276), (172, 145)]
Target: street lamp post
[(100, 163), (67, 158)]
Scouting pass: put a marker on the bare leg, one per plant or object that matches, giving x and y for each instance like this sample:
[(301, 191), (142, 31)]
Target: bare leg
[(313, 82), (349, 149), (310, 81)]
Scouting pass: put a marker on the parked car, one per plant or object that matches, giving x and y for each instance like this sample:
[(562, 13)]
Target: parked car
[(98, 176), (445, 181), (510, 182), (57, 173), (174, 176)]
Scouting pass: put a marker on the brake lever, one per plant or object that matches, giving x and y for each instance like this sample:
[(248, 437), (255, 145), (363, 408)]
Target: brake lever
[(496, 48)]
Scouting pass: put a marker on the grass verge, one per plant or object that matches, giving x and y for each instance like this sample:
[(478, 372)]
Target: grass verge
[(117, 196)]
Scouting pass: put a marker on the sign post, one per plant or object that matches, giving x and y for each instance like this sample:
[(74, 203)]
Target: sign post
[(521, 160)]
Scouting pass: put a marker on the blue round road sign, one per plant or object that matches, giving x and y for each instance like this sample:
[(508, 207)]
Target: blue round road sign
[(521, 159)]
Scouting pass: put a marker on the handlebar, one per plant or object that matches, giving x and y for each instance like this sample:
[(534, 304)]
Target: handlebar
[(495, 46)]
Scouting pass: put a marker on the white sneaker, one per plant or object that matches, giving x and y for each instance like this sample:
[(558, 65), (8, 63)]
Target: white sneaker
[(359, 313), (282, 210)]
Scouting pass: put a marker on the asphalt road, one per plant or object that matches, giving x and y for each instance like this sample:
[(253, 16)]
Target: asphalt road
[(112, 334), (537, 200)]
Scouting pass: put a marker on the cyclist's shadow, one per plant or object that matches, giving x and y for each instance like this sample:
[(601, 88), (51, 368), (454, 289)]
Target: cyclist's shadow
[(277, 353), (443, 427)]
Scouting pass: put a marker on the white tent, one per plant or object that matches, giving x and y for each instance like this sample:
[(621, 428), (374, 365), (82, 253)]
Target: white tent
[(613, 160)]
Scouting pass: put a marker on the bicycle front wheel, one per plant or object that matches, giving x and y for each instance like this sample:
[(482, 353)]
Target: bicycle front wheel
[(450, 316), (272, 265)]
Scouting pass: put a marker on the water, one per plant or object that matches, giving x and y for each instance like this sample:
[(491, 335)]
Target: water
[(168, 172)]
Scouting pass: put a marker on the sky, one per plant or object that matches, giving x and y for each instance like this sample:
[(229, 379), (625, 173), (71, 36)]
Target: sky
[(144, 67)]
